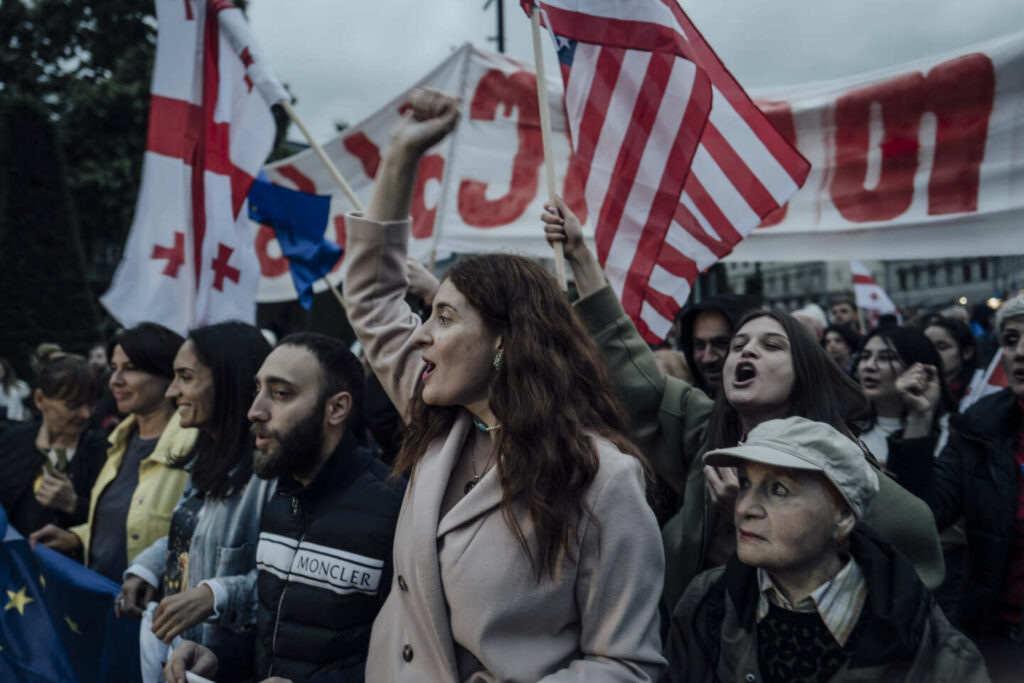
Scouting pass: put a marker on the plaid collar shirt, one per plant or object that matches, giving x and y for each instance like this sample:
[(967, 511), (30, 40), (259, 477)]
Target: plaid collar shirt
[(838, 601)]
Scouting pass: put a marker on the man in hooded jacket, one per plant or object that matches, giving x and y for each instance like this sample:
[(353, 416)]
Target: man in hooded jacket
[(704, 333)]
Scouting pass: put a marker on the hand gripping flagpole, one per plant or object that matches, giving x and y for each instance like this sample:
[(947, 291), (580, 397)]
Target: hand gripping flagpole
[(545, 132), (338, 178)]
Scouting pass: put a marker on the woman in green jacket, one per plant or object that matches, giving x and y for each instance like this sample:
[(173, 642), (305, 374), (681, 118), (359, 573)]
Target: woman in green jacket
[(138, 486), (674, 424)]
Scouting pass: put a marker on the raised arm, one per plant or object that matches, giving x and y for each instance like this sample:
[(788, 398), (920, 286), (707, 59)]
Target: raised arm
[(375, 281), (667, 417)]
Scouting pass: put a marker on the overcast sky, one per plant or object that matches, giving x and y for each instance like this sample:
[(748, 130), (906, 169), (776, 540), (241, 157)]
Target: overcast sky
[(343, 59)]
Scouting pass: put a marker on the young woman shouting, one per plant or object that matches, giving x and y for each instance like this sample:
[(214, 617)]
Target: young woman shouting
[(773, 369)]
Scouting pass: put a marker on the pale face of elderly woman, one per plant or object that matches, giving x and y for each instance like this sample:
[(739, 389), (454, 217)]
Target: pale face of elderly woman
[(787, 520)]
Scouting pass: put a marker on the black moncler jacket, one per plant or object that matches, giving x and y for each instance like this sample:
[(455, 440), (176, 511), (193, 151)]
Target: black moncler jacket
[(324, 561)]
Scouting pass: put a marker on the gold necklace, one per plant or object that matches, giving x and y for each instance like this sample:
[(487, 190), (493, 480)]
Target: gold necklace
[(476, 477)]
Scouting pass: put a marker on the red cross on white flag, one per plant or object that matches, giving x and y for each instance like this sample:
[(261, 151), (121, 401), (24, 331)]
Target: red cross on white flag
[(869, 294), (190, 259)]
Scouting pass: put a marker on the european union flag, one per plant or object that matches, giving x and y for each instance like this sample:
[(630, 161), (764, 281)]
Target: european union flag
[(58, 621), (299, 221)]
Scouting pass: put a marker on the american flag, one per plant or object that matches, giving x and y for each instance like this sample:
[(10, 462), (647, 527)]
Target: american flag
[(676, 163)]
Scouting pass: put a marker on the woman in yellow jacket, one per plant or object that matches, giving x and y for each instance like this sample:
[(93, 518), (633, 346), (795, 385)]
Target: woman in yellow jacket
[(138, 487)]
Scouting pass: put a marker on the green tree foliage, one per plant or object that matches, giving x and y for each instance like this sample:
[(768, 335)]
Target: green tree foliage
[(42, 271), (88, 63)]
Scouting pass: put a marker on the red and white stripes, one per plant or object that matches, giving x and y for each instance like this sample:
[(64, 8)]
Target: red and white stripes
[(677, 163)]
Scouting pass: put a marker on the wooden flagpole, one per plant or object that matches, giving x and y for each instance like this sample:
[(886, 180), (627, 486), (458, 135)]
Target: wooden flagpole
[(338, 178), (545, 132), (294, 116)]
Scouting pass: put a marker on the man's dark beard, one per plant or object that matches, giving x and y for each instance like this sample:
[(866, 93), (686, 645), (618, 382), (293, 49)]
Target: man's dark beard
[(298, 449)]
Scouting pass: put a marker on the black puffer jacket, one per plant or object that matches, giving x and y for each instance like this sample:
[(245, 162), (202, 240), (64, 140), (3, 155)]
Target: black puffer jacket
[(975, 476), (20, 464), (324, 560)]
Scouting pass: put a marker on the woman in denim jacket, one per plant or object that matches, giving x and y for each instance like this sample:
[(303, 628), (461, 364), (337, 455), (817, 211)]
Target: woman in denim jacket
[(205, 568)]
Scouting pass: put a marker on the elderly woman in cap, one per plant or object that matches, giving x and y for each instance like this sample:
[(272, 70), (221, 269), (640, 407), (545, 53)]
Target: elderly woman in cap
[(810, 595)]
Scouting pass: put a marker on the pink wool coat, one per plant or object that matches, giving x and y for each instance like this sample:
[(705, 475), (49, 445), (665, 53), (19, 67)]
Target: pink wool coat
[(464, 604)]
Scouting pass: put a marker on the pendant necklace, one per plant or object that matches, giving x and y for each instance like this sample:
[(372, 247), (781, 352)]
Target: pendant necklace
[(472, 458)]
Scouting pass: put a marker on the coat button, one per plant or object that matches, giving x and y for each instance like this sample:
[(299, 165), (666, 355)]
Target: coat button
[(407, 653), (751, 678), (135, 537), (402, 584)]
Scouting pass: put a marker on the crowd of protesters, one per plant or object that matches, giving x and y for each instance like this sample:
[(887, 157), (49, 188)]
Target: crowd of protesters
[(511, 487)]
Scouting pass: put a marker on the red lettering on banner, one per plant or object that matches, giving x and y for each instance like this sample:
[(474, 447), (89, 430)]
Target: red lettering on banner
[(900, 102), (339, 238), (960, 93), (270, 266), (188, 11), (303, 183), (516, 91), (362, 148), (780, 115), (221, 269), (174, 254), (431, 168)]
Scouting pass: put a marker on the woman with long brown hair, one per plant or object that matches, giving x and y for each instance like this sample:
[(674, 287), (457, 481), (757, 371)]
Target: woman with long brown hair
[(525, 545)]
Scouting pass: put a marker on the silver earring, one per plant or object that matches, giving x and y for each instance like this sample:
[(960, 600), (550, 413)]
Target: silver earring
[(497, 360)]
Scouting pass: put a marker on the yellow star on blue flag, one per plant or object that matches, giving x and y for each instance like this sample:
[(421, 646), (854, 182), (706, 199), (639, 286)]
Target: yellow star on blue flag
[(18, 600), (67, 632)]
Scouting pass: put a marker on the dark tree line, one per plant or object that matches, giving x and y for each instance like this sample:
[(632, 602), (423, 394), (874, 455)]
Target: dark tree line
[(74, 104)]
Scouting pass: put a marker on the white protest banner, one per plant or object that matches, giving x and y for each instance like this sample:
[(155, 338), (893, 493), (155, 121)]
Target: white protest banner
[(923, 160), (478, 190)]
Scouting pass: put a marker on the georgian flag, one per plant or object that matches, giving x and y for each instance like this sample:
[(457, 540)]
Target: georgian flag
[(675, 162), (985, 383), (869, 294), (190, 258)]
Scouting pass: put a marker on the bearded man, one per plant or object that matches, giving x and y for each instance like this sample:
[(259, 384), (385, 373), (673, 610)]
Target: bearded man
[(324, 553)]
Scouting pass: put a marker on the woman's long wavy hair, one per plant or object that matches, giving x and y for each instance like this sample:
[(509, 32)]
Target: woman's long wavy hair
[(822, 391), (550, 395), (234, 352)]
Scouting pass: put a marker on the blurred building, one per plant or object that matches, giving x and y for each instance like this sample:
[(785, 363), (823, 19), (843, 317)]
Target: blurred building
[(911, 284)]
